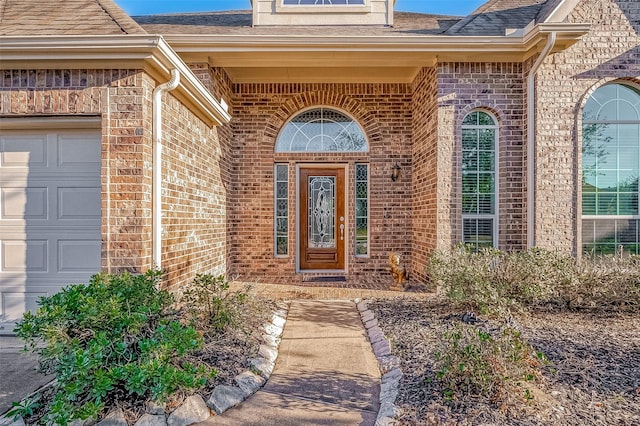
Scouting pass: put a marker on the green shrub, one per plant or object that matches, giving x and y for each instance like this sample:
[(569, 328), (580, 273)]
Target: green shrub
[(116, 338), (210, 302), (473, 362)]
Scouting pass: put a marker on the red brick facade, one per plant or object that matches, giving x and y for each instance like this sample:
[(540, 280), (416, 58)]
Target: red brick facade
[(194, 199), (218, 183)]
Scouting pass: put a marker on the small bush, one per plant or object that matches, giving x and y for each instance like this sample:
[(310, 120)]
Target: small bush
[(117, 338), (210, 302), (498, 283), (473, 362), (605, 282)]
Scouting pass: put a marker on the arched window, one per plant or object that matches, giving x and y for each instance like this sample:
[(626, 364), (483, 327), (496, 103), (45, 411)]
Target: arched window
[(321, 130), (479, 171), (610, 170)]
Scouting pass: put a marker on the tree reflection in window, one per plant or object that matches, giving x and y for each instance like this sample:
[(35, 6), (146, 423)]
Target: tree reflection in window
[(610, 170)]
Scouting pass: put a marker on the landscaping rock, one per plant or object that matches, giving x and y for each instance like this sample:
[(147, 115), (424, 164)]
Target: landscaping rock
[(268, 353), (361, 305), (273, 330), (278, 321), (87, 422), (8, 421), (281, 313), (225, 397), (152, 420), (114, 418), (388, 392), (381, 348), (264, 366), (281, 304), (386, 414), (388, 363), (153, 408), (392, 376), (249, 382), (375, 334), (193, 410), (371, 323), (271, 341), (367, 316)]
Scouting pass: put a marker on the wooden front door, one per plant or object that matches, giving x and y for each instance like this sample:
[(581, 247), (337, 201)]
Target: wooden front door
[(322, 219)]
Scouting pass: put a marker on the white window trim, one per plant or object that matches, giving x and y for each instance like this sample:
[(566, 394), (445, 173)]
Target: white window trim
[(323, 8), (496, 143)]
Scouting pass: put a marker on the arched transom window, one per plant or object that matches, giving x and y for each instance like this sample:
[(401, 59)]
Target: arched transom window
[(610, 170), (322, 130)]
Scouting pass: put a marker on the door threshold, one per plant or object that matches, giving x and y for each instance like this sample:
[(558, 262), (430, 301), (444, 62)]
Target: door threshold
[(325, 279)]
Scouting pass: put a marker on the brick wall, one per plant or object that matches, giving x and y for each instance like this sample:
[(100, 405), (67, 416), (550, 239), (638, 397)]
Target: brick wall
[(499, 89), (610, 51), (425, 169), (194, 194), (260, 111)]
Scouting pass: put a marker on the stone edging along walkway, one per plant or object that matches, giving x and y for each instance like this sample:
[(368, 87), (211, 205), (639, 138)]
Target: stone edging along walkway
[(196, 409), (389, 365)]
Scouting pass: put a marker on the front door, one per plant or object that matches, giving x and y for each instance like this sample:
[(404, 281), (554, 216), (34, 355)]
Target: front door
[(322, 219)]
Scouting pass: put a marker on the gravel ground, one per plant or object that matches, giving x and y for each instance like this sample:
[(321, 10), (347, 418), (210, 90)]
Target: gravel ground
[(592, 378)]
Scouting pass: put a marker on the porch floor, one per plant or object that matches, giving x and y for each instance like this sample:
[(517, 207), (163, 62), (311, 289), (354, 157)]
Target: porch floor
[(353, 287)]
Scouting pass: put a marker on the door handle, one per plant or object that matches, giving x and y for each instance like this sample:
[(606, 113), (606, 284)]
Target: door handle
[(342, 232)]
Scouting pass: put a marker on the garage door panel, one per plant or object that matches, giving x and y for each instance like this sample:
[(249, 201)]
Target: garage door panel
[(50, 215), (79, 256), (79, 203), (14, 305), (24, 151), (24, 255), (77, 151), (24, 203)]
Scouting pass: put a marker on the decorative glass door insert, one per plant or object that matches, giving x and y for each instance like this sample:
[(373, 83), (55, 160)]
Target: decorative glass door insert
[(322, 197), (322, 219)]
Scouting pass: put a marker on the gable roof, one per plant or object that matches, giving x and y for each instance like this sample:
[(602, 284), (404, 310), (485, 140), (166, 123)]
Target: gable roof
[(495, 17), (65, 17), (239, 22)]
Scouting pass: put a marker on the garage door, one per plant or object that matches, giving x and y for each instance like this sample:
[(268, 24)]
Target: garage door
[(50, 215)]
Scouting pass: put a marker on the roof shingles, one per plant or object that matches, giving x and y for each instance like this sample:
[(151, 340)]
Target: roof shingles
[(238, 22), (65, 17)]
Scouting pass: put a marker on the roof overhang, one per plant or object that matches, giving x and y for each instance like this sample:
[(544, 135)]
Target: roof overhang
[(318, 59), (149, 53)]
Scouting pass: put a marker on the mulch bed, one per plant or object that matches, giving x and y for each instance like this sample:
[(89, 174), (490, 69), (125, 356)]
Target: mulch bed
[(592, 378)]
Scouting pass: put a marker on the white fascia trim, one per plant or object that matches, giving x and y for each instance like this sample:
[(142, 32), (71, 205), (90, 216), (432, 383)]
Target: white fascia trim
[(516, 42), (562, 11), (148, 52)]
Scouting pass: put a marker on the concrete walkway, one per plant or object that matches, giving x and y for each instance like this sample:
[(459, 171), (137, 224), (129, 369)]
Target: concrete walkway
[(19, 374), (326, 373)]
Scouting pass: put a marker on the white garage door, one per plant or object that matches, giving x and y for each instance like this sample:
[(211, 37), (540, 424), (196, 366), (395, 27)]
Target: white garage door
[(50, 215)]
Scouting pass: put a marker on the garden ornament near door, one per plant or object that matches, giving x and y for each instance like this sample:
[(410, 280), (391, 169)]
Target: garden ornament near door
[(398, 271)]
